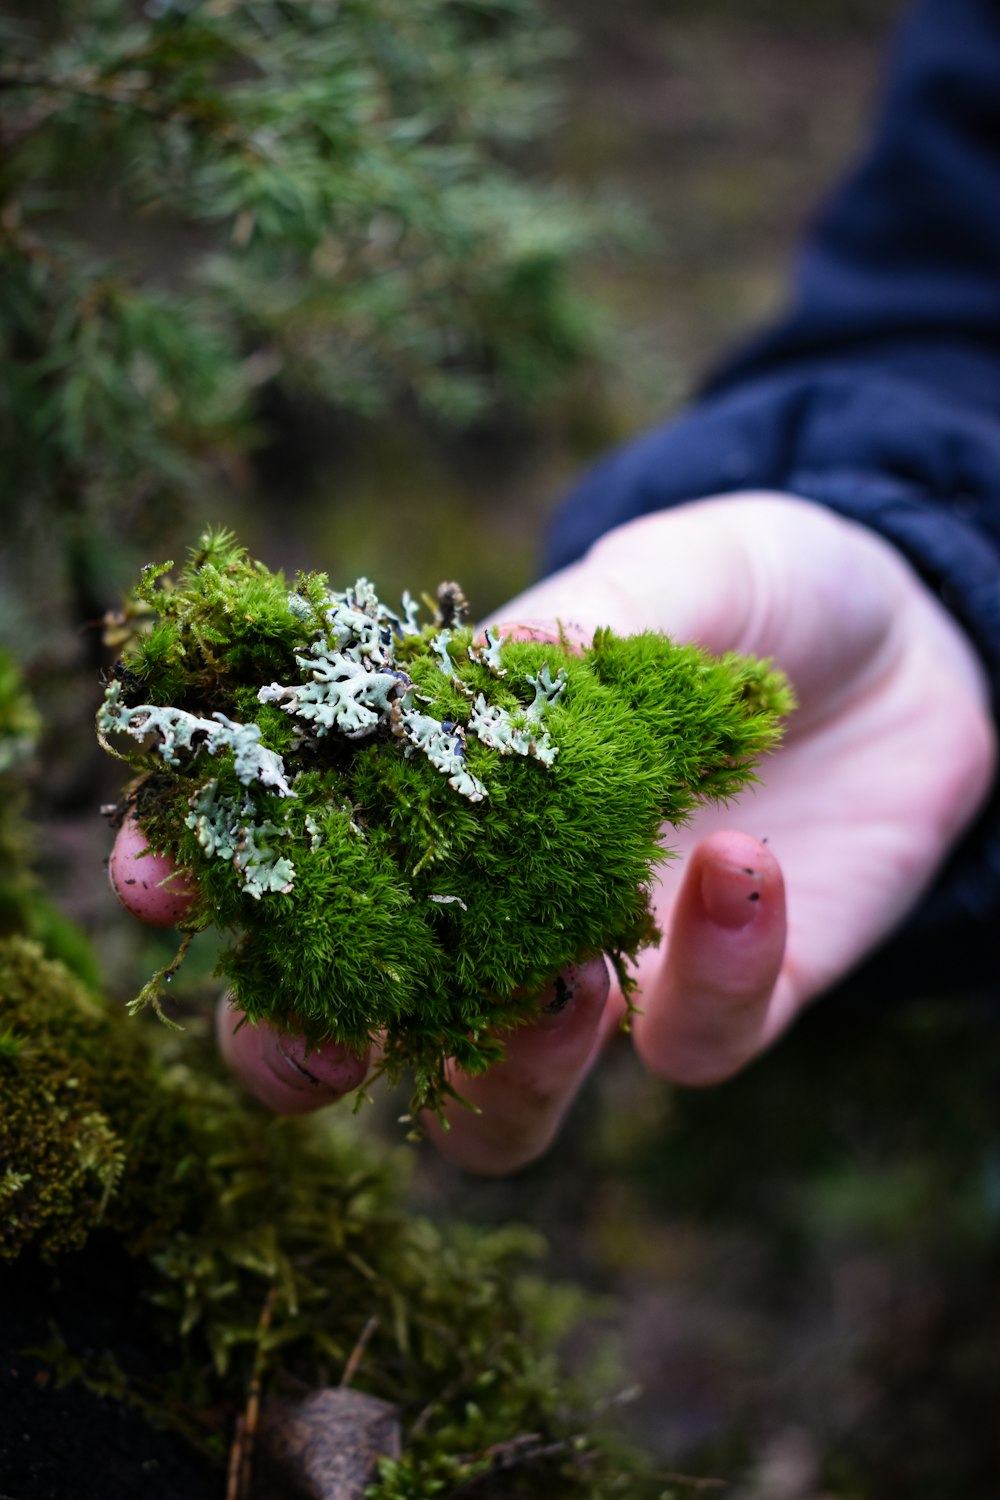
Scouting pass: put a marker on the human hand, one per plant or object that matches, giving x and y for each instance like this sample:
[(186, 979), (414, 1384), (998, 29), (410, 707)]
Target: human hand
[(278, 1070), (887, 758)]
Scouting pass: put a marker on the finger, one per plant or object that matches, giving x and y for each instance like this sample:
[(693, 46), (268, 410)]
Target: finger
[(522, 1100), (708, 1007), (547, 631), (148, 885), (280, 1070)]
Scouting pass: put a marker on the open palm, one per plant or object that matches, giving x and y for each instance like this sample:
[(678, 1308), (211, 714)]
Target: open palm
[(771, 900), (886, 759)]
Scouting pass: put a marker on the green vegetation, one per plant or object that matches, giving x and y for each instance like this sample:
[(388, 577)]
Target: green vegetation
[(265, 1254), (411, 830), (25, 909), (208, 210), (231, 1211), (72, 1097)]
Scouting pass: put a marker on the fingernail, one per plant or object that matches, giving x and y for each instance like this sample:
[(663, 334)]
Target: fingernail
[(730, 894), (329, 1066)]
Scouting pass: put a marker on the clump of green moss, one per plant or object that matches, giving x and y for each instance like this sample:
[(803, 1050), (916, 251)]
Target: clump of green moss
[(18, 733), (24, 908), (410, 829), (74, 1089), (273, 1252)]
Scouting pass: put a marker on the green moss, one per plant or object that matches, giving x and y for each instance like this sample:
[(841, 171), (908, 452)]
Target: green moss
[(18, 733), (113, 1132), (410, 833), (82, 1141), (24, 909)]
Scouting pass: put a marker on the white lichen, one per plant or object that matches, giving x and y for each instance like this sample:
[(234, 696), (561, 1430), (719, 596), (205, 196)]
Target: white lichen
[(449, 901), (342, 693), (439, 645), (227, 829), (299, 607), (260, 865), (172, 732), (488, 653), (354, 686), (408, 624), (548, 690), (216, 821), (521, 734), (443, 743)]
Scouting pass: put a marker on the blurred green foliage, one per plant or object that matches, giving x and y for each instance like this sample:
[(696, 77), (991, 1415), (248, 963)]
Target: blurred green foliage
[(202, 202)]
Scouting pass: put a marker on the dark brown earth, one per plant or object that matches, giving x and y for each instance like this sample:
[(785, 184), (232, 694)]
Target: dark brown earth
[(60, 1440)]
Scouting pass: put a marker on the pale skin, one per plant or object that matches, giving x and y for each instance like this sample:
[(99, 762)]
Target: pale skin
[(889, 755)]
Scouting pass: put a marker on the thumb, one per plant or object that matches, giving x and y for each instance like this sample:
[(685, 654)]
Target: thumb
[(686, 572)]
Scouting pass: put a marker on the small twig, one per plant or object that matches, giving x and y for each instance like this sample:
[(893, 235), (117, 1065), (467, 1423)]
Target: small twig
[(253, 1402), (514, 1454), (357, 1353), (692, 1481), (235, 1467), (240, 1470)]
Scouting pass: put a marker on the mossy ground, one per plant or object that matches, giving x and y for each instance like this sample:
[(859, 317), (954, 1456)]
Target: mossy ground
[(120, 1139)]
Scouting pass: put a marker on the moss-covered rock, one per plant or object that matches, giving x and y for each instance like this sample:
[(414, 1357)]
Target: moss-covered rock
[(265, 1250), (84, 1140)]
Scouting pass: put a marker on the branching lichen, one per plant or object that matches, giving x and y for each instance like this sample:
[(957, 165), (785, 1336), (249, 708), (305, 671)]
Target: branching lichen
[(174, 732), (412, 829)]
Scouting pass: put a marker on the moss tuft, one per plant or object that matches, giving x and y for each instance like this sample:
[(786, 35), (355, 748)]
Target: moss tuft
[(409, 829), (75, 1087), (273, 1251)]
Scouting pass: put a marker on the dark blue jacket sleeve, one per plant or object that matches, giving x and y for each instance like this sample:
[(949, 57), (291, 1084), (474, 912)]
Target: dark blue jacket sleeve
[(878, 394)]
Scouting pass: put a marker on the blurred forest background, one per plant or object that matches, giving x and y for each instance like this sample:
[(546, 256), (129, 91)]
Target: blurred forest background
[(587, 205)]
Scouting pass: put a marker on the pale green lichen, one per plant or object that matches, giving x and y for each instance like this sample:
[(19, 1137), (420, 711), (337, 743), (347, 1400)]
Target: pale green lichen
[(225, 827), (496, 728), (262, 867), (439, 645), (342, 694), (489, 653), (356, 687), (173, 731)]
